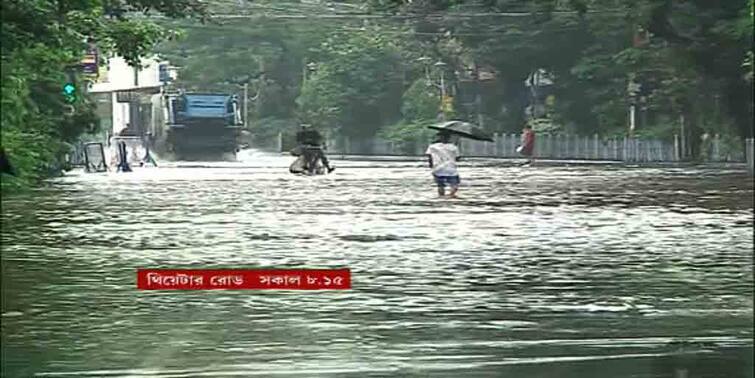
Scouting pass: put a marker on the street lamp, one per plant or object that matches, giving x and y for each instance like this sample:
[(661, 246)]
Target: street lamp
[(633, 90), (441, 66)]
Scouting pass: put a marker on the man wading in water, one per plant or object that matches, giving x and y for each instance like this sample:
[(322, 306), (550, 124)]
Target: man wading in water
[(443, 156)]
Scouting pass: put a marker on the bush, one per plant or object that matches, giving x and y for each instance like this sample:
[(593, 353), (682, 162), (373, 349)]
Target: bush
[(405, 131), (545, 126)]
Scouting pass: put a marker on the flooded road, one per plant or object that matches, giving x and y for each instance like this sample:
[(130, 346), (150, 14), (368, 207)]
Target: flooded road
[(534, 272)]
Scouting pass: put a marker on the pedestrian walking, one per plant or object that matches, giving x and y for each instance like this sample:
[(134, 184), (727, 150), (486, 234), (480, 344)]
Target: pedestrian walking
[(443, 156), (527, 148)]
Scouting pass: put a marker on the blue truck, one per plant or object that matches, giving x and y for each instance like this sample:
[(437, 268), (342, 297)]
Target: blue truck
[(203, 125)]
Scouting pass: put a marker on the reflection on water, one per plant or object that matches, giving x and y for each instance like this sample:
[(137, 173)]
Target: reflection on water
[(534, 272)]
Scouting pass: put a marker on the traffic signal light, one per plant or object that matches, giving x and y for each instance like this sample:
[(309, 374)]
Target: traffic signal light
[(69, 92), (70, 89)]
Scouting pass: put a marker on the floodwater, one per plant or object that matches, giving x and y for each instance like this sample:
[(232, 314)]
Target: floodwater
[(551, 271)]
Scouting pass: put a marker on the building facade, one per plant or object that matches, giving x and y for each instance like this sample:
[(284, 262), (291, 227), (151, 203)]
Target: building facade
[(130, 103), (132, 97)]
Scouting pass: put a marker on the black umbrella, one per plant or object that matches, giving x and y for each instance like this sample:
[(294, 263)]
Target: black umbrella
[(463, 129)]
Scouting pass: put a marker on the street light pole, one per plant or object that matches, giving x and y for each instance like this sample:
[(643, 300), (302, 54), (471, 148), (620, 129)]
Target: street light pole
[(304, 72), (430, 82), (442, 85), (633, 89), (246, 104), (631, 119), (441, 66)]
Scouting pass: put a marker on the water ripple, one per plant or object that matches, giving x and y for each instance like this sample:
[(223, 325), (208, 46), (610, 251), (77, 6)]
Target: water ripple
[(547, 271)]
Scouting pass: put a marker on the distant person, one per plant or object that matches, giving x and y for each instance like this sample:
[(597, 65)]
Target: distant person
[(527, 148), (310, 142), (308, 136), (443, 156), (123, 165), (706, 147), (128, 131)]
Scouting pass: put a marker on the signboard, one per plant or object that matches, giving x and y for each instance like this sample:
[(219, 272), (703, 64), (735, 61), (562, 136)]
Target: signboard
[(125, 96), (486, 75), (89, 64), (134, 95), (633, 88)]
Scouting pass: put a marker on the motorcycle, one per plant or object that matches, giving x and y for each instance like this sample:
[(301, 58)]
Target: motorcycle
[(308, 161)]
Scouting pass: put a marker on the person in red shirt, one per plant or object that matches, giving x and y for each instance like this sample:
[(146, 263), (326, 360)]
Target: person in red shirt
[(527, 147)]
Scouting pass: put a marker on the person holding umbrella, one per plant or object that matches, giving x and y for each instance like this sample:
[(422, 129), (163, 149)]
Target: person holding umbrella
[(443, 156)]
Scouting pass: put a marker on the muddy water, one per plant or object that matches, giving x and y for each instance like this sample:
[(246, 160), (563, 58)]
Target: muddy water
[(533, 272)]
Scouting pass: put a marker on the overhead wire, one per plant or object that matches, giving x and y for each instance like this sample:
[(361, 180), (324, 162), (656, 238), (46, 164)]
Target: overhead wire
[(448, 33), (445, 15), (480, 18), (504, 31)]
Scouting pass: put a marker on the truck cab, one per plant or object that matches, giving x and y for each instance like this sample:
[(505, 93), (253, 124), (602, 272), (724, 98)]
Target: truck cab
[(203, 124)]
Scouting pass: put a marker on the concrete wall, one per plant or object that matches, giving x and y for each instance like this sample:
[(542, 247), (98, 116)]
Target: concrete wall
[(120, 76)]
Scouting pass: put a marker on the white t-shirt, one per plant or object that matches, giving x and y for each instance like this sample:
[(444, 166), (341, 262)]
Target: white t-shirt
[(444, 158)]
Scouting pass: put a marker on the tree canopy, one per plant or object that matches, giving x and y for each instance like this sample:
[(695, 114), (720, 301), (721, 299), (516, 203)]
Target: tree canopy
[(43, 42), (356, 68), (361, 68)]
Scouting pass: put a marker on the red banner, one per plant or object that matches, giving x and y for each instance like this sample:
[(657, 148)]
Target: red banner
[(235, 279)]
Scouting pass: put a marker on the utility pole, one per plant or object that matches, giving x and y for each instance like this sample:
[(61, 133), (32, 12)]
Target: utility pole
[(479, 110), (684, 136), (633, 89), (442, 85), (261, 87), (441, 66), (478, 95), (632, 108), (246, 105), (304, 72)]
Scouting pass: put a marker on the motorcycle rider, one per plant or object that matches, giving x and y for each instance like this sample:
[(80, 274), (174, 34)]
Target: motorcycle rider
[(310, 142)]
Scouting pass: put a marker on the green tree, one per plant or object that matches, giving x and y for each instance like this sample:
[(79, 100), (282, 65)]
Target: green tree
[(44, 40), (356, 85), (268, 55), (693, 51), (420, 104)]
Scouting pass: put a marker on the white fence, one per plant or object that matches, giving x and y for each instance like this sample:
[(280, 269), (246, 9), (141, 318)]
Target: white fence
[(557, 147), (571, 147)]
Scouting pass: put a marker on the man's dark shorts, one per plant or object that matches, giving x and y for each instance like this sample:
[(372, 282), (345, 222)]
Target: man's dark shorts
[(447, 180)]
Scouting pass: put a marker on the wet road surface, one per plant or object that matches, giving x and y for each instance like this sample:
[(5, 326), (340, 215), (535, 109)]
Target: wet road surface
[(533, 272)]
